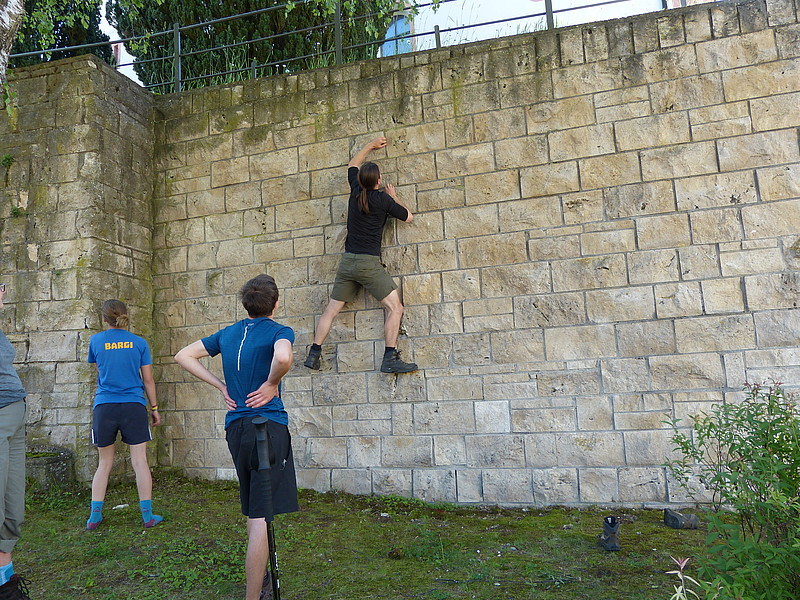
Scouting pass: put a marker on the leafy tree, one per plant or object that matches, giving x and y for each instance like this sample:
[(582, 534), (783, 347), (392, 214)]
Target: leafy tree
[(60, 24), (364, 21)]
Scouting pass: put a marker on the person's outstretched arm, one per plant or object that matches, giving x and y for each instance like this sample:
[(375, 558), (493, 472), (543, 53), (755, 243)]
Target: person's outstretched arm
[(281, 363), (189, 358), (359, 158)]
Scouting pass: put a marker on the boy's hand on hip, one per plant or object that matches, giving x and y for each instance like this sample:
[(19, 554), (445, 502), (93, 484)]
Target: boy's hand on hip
[(229, 402), (262, 395)]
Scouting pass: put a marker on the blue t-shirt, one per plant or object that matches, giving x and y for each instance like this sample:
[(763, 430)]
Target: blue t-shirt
[(247, 348), (119, 355)]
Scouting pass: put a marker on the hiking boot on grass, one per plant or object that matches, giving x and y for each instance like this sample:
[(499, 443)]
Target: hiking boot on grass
[(609, 540), (312, 360), (15, 588), (392, 363), (678, 520)]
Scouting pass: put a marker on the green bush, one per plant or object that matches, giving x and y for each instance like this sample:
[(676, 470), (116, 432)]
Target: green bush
[(748, 455)]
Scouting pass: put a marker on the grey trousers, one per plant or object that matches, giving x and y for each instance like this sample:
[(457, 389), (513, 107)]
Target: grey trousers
[(12, 473)]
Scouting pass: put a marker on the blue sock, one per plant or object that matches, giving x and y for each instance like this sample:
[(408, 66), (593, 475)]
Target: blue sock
[(6, 573), (96, 516), (150, 520)]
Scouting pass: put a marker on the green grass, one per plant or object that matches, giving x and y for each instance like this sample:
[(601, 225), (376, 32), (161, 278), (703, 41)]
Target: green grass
[(340, 547)]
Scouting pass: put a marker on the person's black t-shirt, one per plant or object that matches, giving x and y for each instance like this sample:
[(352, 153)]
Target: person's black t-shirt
[(364, 231)]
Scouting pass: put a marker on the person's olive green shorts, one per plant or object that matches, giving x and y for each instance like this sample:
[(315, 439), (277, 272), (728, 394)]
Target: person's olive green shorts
[(356, 270)]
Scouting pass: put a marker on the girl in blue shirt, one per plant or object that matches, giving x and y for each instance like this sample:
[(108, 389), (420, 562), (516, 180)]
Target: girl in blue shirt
[(125, 377)]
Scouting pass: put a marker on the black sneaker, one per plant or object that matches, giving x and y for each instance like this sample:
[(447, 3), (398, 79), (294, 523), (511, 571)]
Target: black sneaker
[(393, 364), (15, 588), (312, 360)]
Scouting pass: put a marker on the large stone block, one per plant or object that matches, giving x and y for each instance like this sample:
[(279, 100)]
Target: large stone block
[(766, 79), (555, 486), (467, 160), (515, 280), (779, 183), (653, 131), (573, 343), (646, 338), (771, 291), (771, 219), (777, 328), (642, 484), (589, 273), (623, 304), (520, 345), (724, 295), (406, 451), (665, 231), (520, 151), (508, 486), (599, 449), (605, 171), (549, 310), (487, 250), (435, 485), (471, 221), (688, 371), (543, 420), (496, 451), (749, 262), (549, 179), (681, 160), (639, 199), (652, 266), (598, 485), (737, 51), (581, 142), (758, 150), (544, 117)]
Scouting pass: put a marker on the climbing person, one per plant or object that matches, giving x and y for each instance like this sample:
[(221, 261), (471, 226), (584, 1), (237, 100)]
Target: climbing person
[(12, 467), (125, 377), (256, 354), (367, 211)]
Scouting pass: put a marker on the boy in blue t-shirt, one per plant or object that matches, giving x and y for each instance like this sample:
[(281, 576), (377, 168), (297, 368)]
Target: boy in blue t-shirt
[(256, 354)]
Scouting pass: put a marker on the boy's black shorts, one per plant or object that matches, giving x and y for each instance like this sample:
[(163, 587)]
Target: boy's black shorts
[(253, 491), (129, 418)]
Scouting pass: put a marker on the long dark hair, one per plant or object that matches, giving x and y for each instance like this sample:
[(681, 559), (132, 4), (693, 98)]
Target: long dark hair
[(368, 176)]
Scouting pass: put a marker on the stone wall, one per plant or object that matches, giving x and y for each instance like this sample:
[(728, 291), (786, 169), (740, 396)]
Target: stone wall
[(76, 230), (606, 236)]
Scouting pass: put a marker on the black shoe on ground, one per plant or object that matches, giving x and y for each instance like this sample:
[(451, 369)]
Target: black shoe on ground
[(312, 360), (266, 587), (678, 520), (393, 364), (15, 588), (609, 540)]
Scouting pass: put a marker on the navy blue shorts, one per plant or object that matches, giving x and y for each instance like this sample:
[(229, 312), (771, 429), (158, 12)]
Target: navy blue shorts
[(267, 492), (129, 418)]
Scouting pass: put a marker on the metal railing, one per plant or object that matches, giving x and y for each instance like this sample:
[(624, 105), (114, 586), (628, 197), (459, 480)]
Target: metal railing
[(337, 54)]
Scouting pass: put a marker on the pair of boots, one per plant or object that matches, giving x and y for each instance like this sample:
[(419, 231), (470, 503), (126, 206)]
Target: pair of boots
[(609, 539)]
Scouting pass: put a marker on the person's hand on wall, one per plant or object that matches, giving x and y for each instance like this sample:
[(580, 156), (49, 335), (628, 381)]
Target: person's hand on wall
[(378, 143)]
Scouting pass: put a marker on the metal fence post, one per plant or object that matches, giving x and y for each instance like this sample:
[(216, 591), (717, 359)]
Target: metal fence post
[(548, 9), (176, 57), (338, 31), (438, 36)]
